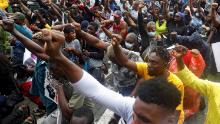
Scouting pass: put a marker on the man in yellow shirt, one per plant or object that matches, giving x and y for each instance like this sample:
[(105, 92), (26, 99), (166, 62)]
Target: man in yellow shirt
[(157, 65), (209, 89)]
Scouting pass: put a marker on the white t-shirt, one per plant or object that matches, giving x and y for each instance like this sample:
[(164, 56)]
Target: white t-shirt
[(73, 44), (90, 87), (134, 14)]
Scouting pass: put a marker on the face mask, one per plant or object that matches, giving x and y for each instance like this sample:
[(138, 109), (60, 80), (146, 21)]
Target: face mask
[(129, 45), (151, 34)]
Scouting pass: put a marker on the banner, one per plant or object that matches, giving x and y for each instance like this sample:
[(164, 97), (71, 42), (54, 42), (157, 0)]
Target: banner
[(49, 90)]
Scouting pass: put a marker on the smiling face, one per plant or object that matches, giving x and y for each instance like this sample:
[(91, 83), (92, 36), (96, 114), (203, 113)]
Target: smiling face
[(145, 113)]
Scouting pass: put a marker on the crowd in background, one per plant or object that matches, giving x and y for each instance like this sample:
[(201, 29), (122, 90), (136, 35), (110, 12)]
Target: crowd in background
[(157, 52)]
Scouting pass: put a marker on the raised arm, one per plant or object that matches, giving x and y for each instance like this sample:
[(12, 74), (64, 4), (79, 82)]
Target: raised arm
[(90, 39), (56, 11), (131, 22), (140, 20), (106, 31), (60, 27), (124, 29), (120, 56), (165, 9), (85, 83), (25, 9), (214, 15), (141, 29), (188, 78), (42, 4), (28, 43)]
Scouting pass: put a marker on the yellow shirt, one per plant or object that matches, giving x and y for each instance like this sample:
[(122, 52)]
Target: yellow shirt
[(47, 26), (161, 28), (172, 78), (209, 89), (4, 4)]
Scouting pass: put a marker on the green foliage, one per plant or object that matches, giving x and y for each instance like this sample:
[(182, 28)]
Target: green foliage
[(4, 41)]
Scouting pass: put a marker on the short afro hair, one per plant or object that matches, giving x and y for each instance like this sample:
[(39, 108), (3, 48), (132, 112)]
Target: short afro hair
[(68, 29), (160, 92), (95, 25), (162, 52), (86, 113)]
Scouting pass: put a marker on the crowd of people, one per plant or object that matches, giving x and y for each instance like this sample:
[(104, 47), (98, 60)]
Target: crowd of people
[(162, 57)]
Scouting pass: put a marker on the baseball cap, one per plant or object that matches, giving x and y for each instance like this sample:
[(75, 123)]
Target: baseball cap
[(19, 16)]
